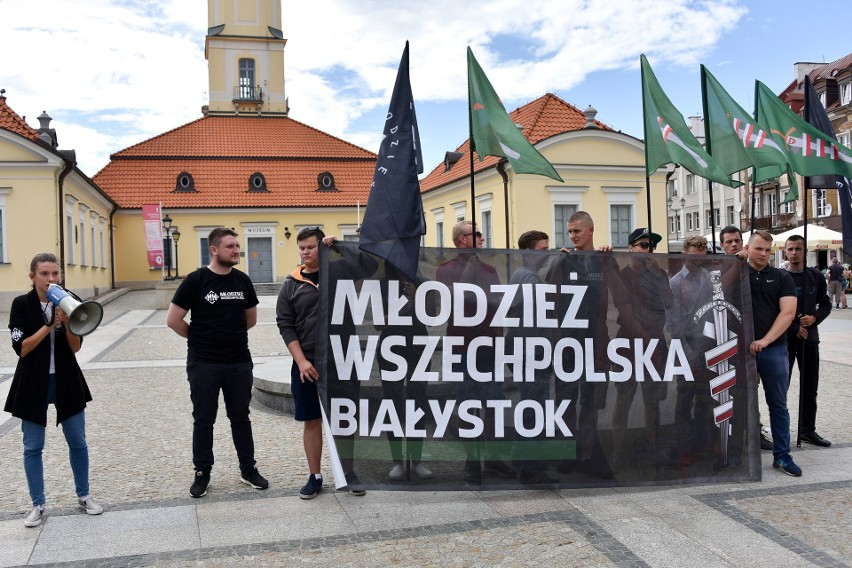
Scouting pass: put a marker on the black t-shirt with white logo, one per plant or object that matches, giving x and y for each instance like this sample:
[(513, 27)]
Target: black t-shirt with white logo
[(217, 307), (768, 286)]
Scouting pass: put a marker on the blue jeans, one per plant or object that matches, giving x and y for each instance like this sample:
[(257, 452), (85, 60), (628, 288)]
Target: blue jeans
[(74, 429), (773, 366)]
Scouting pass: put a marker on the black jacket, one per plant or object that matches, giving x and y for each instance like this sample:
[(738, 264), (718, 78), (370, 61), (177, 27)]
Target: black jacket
[(27, 398), (815, 303)]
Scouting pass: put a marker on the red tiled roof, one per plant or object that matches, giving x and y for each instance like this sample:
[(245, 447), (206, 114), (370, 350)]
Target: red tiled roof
[(793, 94), (11, 121), (245, 137), (542, 118), (222, 152)]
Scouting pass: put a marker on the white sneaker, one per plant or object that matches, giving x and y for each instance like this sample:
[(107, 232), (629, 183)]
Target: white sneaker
[(35, 517), (422, 471), (396, 472), (89, 504)]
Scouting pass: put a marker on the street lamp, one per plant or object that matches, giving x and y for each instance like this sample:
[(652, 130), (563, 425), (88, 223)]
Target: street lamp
[(167, 246), (176, 237), (670, 202)]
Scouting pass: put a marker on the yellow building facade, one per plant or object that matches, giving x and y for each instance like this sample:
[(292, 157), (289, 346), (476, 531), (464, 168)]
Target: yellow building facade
[(48, 205), (603, 173)]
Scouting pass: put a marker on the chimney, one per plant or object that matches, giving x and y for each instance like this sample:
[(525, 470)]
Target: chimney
[(45, 132), (803, 68), (590, 114)]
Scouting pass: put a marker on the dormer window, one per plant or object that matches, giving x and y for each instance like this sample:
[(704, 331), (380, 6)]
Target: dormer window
[(257, 183), (846, 93), (185, 183), (325, 182)]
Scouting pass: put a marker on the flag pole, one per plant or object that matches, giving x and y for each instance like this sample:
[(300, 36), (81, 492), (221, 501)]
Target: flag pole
[(709, 147), (471, 149), (647, 177)]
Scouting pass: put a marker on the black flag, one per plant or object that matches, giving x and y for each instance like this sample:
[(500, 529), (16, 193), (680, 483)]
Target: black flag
[(816, 115), (393, 221)]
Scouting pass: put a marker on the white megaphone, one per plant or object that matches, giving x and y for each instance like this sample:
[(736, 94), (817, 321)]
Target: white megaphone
[(83, 317)]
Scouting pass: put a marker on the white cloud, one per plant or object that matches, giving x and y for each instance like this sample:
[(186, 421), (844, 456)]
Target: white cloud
[(115, 73)]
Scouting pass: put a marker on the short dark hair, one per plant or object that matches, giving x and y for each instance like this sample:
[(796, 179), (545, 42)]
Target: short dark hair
[(529, 239), (42, 257), (308, 232), (215, 236), (730, 229), (794, 238)]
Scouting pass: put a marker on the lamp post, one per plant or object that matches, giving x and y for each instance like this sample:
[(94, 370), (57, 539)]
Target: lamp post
[(670, 202), (176, 237), (167, 246)]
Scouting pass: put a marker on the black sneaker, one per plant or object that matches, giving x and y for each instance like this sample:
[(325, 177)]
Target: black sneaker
[(765, 443), (200, 485), (311, 488), (352, 483), (253, 478)]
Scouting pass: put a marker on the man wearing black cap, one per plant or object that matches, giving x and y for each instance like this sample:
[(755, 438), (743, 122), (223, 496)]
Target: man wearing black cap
[(650, 298)]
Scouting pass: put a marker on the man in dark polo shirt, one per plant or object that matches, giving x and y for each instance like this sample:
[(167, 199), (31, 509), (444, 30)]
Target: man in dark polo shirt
[(773, 300)]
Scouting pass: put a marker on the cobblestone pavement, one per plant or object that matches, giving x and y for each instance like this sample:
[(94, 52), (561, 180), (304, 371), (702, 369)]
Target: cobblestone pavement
[(139, 430)]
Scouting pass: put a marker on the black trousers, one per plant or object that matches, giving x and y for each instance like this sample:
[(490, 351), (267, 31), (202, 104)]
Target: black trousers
[(806, 354), (235, 381)]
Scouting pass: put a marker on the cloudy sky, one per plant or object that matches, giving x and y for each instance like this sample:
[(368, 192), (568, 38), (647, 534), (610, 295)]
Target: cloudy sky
[(115, 73)]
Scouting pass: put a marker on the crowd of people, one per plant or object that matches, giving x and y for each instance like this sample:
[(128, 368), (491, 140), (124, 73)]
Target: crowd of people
[(653, 302)]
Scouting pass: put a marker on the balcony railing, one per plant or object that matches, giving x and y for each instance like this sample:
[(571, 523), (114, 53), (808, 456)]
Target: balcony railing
[(247, 93)]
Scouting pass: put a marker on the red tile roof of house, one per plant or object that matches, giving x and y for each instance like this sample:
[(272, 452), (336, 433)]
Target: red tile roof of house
[(542, 118), (222, 152), (11, 121), (794, 95)]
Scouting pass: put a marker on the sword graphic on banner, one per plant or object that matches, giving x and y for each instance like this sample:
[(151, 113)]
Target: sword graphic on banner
[(717, 360)]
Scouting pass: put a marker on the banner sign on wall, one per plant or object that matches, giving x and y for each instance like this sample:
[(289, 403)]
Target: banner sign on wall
[(153, 235), (510, 368)]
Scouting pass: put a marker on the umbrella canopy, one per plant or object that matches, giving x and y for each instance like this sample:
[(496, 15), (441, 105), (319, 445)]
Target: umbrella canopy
[(819, 238)]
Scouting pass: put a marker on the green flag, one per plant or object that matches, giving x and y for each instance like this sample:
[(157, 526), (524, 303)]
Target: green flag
[(735, 140), (810, 152), (668, 139), (492, 131)]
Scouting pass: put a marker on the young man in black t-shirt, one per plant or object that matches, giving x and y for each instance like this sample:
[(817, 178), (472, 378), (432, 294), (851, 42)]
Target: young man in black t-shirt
[(773, 300), (223, 306)]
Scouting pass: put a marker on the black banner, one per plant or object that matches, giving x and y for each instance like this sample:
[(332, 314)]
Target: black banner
[(511, 368)]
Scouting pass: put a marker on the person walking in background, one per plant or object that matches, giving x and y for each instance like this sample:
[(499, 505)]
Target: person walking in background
[(834, 274), (222, 304), (813, 307), (48, 373)]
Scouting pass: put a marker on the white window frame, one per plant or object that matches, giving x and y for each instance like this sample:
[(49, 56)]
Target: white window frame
[(690, 184), (93, 221), (846, 93), (843, 137), (621, 196), (4, 241), (564, 195), (689, 221), (438, 215), (460, 211), (820, 201), (485, 225), (70, 227), (101, 231), (697, 216), (83, 210)]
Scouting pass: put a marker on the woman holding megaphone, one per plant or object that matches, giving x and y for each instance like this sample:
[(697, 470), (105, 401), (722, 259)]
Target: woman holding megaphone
[(48, 372)]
